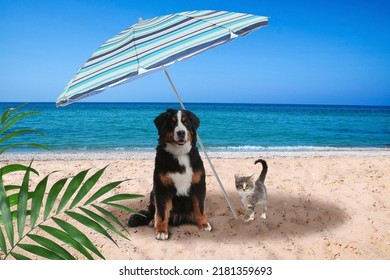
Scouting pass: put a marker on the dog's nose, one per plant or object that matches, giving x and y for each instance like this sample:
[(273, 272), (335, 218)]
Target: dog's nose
[(181, 133)]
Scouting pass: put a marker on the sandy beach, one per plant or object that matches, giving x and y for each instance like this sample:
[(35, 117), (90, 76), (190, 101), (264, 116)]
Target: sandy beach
[(322, 206)]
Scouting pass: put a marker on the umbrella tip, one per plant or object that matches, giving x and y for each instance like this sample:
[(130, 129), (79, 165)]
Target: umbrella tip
[(140, 20)]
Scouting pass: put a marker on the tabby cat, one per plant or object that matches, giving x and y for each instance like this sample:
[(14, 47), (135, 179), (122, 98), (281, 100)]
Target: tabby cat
[(253, 192)]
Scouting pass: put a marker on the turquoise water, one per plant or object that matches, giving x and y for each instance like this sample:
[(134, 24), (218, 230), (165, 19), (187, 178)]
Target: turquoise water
[(246, 127)]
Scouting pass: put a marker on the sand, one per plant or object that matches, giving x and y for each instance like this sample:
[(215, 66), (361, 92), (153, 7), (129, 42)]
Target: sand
[(322, 206)]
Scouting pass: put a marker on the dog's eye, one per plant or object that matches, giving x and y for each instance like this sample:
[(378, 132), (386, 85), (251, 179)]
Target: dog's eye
[(174, 120), (183, 120)]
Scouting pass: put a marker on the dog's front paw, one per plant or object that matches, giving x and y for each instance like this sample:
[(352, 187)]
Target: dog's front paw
[(162, 236), (205, 227)]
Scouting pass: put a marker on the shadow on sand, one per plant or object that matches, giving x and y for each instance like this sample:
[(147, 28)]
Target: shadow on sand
[(287, 216)]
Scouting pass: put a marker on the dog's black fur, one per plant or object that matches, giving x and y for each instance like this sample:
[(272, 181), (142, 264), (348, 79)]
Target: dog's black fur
[(171, 203)]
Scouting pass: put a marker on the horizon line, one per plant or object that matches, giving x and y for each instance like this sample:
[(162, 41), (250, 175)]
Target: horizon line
[(221, 103)]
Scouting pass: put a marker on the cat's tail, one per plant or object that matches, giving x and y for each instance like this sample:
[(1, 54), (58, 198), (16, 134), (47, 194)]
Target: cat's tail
[(143, 217), (264, 171)]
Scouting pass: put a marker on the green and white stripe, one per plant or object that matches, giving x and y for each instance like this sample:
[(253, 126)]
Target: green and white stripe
[(151, 44)]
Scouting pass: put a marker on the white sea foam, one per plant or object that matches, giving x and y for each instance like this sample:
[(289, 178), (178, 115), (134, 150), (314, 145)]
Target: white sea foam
[(229, 152)]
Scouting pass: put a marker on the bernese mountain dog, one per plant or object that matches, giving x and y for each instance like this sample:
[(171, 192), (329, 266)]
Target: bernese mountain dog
[(179, 184)]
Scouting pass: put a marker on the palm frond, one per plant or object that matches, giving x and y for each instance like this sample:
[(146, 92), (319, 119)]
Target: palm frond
[(78, 235), (37, 199), (74, 184), (19, 256), (35, 145), (49, 204), (9, 118), (53, 204), (3, 244), (17, 167), (109, 215), (67, 239), (102, 191), (40, 251), (87, 186), (102, 221), (52, 246), (22, 203), (90, 223), (52, 196), (19, 132), (5, 211)]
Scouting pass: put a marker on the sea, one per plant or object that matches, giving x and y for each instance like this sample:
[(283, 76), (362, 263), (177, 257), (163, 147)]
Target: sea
[(93, 127)]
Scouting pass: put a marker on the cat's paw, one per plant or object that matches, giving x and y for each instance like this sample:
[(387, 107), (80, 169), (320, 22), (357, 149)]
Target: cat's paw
[(248, 218), (264, 216)]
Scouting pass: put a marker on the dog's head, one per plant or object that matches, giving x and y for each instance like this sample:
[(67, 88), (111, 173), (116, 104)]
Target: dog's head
[(177, 128)]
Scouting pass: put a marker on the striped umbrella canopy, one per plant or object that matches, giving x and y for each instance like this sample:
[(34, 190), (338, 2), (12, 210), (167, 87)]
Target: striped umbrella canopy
[(153, 44)]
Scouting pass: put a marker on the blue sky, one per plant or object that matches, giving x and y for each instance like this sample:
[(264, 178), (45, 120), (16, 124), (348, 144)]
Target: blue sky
[(312, 52)]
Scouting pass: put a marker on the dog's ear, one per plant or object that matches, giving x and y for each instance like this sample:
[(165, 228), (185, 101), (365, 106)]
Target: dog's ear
[(194, 119), (160, 119)]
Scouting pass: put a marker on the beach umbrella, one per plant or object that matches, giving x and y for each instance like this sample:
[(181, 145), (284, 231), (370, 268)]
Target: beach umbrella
[(154, 44)]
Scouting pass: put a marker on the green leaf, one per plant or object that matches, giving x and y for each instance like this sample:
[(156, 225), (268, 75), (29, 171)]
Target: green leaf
[(119, 197), (52, 246), (19, 132), (103, 190), (14, 198), (14, 215), (9, 111), (22, 203), (90, 223), (87, 186), (3, 244), (17, 167), (6, 212), (99, 219), (40, 251), (24, 144), (71, 189), (20, 257), (77, 235), (11, 120), (36, 202), (109, 215), (52, 196), (66, 238), (6, 115), (124, 208), (11, 187)]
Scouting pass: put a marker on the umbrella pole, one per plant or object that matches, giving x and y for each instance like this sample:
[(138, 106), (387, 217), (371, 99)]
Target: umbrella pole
[(203, 148)]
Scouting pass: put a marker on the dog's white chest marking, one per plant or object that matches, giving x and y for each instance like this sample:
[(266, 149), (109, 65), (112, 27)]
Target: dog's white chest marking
[(182, 180)]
